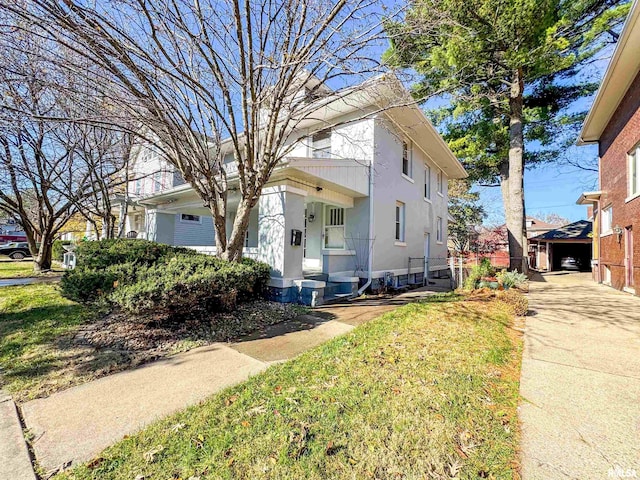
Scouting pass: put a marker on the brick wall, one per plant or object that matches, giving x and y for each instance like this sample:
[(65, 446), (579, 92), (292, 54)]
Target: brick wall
[(620, 136)]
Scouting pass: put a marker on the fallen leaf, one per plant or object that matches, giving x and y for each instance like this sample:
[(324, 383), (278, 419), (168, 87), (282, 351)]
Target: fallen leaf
[(272, 460), (177, 427), (150, 456), (95, 463), (230, 400), (278, 389), (244, 423)]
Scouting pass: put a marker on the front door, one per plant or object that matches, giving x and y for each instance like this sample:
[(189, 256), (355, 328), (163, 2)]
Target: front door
[(628, 256)]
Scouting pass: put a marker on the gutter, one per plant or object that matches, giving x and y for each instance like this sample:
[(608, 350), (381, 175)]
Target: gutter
[(371, 233)]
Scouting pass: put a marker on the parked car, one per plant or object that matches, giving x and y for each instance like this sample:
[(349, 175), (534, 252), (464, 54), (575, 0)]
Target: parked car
[(16, 250), (570, 263)]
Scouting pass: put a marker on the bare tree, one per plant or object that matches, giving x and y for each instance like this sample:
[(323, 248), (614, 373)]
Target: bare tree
[(218, 80), (50, 169)]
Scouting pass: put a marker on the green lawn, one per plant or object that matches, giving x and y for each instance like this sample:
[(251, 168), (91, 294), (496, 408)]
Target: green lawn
[(426, 391), (11, 269), (34, 320)]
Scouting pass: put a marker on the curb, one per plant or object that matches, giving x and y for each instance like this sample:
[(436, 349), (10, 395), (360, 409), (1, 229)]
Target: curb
[(15, 462)]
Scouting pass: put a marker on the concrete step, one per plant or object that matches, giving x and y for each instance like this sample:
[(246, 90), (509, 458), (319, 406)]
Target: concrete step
[(319, 277)]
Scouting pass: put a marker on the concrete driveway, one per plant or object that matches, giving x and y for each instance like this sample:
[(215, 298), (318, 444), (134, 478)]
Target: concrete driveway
[(580, 412)]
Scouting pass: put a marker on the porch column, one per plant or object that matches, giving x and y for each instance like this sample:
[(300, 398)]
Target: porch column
[(281, 210)]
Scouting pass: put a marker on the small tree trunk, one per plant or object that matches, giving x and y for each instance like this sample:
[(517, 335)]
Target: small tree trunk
[(219, 215), (240, 226), (42, 260), (515, 213)]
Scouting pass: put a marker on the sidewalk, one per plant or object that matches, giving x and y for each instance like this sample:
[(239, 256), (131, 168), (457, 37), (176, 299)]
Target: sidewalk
[(76, 424), (580, 381)]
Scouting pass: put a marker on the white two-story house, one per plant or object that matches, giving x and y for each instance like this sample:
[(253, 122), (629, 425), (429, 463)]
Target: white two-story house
[(366, 188)]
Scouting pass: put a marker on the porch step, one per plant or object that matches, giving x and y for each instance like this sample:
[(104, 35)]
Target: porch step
[(319, 277), (336, 298)]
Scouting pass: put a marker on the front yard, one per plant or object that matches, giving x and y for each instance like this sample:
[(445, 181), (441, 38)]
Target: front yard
[(48, 343), (12, 269), (427, 391)]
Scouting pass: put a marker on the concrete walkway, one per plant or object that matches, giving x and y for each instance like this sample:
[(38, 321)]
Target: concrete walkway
[(580, 382), (76, 424)]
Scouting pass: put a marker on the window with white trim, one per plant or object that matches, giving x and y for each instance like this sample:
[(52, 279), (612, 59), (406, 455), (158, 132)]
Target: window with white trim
[(157, 181), (606, 219), (406, 159), (321, 144), (138, 186), (400, 221), (634, 171), (188, 218), (439, 229), (440, 181), (427, 182), (334, 228)]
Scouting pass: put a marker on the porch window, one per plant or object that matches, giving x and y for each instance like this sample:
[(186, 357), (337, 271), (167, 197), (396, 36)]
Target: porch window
[(188, 218), (321, 144), (439, 229), (427, 182), (334, 228), (634, 171), (406, 159), (400, 210)]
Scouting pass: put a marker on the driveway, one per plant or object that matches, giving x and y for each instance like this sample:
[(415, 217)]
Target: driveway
[(580, 412)]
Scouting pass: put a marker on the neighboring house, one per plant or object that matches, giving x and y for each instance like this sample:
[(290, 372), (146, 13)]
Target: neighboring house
[(366, 194), (613, 123), (538, 258), (566, 247)]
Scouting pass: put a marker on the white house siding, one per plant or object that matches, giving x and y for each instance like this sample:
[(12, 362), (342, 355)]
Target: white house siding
[(391, 186), (193, 234)]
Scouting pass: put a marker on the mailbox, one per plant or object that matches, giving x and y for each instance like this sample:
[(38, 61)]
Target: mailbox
[(296, 237)]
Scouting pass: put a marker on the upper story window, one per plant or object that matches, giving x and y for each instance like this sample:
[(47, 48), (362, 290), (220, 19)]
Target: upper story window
[(400, 221), (157, 181), (607, 219), (634, 171), (439, 232), (321, 144), (427, 182), (188, 218), (138, 187), (440, 181), (406, 158)]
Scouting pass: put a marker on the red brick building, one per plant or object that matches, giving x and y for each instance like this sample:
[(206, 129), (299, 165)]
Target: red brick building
[(614, 124)]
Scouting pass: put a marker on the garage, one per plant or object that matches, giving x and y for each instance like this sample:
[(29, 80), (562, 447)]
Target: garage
[(566, 248)]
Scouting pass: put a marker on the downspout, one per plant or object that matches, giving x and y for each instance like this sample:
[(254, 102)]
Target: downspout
[(371, 233)]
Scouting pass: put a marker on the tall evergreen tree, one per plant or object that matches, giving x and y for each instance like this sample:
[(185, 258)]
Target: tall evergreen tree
[(509, 69)]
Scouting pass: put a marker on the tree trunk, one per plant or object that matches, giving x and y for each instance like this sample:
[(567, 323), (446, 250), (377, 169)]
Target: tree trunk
[(42, 260), (238, 235), (514, 210), (219, 214)]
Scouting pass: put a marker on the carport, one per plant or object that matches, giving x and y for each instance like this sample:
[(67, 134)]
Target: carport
[(573, 240)]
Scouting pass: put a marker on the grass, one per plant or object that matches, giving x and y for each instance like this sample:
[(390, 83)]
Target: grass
[(22, 269), (426, 391), (34, 322), (49, 343), (11, 269)]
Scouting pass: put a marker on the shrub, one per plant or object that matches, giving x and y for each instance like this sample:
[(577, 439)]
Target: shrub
[(511, 279), (484, 269), (192, 284), (517, 302), (143, 277), (89, 285), (57, 251), (106, 253)]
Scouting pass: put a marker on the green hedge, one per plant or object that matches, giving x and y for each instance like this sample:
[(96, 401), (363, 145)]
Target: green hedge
[(144, 277), (106, 253), (57, 251)]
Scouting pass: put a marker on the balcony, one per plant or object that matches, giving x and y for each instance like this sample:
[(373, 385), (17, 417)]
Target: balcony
[(348, 176)]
